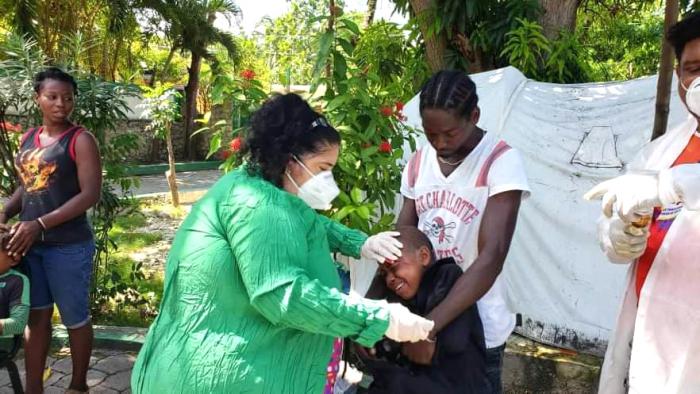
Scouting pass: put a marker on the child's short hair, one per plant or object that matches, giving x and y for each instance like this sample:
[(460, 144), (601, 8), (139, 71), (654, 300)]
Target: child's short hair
[(413, 239)]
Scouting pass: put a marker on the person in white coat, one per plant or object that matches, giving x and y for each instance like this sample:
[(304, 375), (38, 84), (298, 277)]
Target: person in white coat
[(656, 344)]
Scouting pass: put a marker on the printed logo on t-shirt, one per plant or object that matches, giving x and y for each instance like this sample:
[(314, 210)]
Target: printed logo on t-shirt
[(446, 199), (34, 170), (439, 230)]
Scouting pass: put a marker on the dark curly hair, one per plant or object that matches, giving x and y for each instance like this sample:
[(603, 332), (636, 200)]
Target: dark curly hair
[(683, 32), (285, 126), (56, 74), (451, 91)]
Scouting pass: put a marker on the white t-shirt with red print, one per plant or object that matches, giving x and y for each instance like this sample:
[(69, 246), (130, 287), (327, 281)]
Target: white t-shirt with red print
[(450, 209)]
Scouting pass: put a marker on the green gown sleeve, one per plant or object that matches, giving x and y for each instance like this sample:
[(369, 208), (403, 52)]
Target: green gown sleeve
[(343, 239), (19, 308), (269, 247), (14, 325)]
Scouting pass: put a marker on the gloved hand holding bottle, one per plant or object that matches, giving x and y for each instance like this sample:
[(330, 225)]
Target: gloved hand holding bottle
[(622, 242), (405, 326), (631, 196)]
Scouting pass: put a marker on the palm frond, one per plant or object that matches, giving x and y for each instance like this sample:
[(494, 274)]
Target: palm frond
[(25, 15)]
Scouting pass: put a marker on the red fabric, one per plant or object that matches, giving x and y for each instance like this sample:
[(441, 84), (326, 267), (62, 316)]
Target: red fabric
[(37, 140), (414, 168), (660, 226), (26, 135), (500, 149), (71, 147)]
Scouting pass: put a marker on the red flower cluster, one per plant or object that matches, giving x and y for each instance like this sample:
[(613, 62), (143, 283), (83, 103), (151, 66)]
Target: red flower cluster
[(385, 146), (395, 111), (386, 111), (248, 74), (12, 128), (399, 111), (235, 144)]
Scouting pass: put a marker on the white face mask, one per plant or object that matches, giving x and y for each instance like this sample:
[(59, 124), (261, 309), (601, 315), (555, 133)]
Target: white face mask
[(319, 191), (692, 97)]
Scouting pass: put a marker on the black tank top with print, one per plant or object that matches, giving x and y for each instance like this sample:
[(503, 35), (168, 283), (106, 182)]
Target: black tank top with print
[(49, 177)]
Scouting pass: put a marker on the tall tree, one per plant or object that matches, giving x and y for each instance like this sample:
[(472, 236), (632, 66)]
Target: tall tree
[(435, 41), (290, 41), (426, 14), (466, 34), (191, 29), (558, 15), (23, 14), (663, 88), (371, 10)]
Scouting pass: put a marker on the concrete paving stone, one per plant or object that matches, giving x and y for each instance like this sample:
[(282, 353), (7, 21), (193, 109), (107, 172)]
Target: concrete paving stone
[(63, 383), (4, 378), (6, 390), (19, 362), (101, 389), (116, 363), (120, 381), (104, 353), (54, 390), (94, 378), (64, 365), (55, 377)]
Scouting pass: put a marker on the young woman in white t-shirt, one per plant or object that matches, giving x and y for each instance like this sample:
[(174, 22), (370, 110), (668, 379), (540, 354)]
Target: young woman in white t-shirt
[(464, 190)]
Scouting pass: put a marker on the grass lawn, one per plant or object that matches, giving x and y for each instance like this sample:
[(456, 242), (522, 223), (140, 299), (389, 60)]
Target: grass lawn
[(137, 290)]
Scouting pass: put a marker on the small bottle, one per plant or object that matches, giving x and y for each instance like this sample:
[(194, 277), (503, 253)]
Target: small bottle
[(644, 218)]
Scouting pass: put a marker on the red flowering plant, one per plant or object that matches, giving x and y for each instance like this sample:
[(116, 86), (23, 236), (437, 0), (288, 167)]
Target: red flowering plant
[(245, 95), (248, 74), (361, 107)]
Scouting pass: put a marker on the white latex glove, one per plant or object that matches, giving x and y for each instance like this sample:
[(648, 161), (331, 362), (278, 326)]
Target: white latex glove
[(382, 246), (405, 326), (620, 241), (631, 196)]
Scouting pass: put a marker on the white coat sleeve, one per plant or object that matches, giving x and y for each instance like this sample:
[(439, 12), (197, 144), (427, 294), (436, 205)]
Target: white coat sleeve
[(681, 184)]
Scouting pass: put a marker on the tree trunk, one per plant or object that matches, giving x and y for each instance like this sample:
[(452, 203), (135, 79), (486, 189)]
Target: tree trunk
[(435, 44), (558, 15), (191, 104), (165, 65), (663, 86), (115, 60), (371, 10), (170, 174), (155, 150)]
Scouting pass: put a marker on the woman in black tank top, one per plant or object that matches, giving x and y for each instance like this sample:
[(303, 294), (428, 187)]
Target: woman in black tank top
[(60, 179)]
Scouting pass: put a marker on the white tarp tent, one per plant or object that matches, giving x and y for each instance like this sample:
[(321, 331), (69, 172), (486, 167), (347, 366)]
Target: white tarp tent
[(571, 137)]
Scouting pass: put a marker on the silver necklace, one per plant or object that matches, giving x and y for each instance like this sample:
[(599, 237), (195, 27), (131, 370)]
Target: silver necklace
[(455, 163)]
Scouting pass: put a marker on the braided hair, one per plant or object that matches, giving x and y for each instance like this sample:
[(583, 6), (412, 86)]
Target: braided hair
[(450, 90), (285, 126)]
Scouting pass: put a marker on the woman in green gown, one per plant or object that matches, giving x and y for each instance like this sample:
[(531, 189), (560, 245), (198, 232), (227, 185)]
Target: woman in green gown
[(251, 301)]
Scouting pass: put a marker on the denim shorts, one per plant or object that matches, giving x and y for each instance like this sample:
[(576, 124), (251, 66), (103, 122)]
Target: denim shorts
[(494, 368), (60, 274)]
